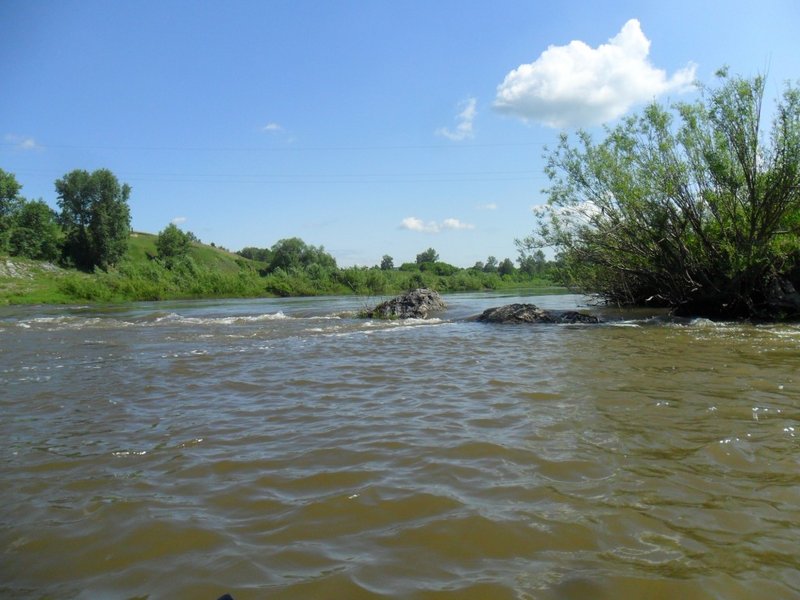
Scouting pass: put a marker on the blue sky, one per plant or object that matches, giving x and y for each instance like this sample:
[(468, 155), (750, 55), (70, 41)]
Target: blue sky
[(369, 127)]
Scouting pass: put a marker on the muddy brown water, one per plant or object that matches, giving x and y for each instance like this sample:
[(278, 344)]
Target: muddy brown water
[(282, 449)]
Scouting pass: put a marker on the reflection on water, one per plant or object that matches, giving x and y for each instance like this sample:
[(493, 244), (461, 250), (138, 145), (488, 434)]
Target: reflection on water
[(283, 449)]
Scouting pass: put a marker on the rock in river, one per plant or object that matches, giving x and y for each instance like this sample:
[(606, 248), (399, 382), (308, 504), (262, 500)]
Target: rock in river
[(415, 304), (530, 313)]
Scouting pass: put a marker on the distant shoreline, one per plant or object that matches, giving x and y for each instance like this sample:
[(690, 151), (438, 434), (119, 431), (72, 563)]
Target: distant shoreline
[(29, 282)]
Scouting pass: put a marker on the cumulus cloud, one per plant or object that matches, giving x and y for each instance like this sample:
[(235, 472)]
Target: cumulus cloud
[(464, 120), (22, 142), (415, 224), (577, 85), (178, 220)]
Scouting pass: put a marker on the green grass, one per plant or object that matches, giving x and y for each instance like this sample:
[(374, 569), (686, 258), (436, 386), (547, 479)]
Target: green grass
[(35, 282), (210, 272), (142, 247)]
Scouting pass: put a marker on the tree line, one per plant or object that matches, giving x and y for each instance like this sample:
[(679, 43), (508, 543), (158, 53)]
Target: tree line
[(91, 232), (292, 267), (294, 253)]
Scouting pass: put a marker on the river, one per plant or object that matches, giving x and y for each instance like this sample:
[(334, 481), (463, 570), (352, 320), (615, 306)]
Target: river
[(280, 448)]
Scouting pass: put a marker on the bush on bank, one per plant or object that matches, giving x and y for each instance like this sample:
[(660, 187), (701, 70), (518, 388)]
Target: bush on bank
[(694, 207)]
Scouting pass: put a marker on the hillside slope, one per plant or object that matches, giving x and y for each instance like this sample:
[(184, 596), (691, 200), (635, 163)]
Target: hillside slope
[(212, 271), (142, 249)]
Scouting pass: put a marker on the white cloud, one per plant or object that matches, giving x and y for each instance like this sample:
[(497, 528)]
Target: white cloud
[(272, 128), (415, 224), (577, 85), (489, 206), (178, 220), (456, 224), (22, 142), (464, 122)]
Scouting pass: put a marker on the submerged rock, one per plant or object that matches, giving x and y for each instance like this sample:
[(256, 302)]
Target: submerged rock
[(415, 304), (530, 313)]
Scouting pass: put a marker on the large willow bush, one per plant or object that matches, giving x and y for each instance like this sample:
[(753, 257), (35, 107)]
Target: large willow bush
[(693, 206)]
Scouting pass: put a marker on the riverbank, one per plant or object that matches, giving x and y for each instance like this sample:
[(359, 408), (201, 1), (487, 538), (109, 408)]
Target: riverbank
[(210, 273)]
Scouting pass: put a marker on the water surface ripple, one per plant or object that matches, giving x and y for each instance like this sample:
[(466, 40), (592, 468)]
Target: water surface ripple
[(283, 449)]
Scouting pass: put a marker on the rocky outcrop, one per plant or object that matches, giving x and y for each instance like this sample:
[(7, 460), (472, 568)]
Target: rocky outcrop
[(530, 313), (17, 268), (416, 304)]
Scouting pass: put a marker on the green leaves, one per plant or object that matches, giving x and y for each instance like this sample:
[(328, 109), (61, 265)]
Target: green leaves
[(36, 233), (9, 194), (96, 217), (430, 255), (681, 204), (172, 243)]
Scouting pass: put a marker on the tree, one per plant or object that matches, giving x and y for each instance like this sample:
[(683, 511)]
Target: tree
[(35, 232), (532, 263), (26, 228), (491, 265), (387, 263), (294, 253), (430, 255), (439, 268), (96, 217), (10, 201), (692, 207), (253, 253), (9, 193), (506, 267), (172, 242)]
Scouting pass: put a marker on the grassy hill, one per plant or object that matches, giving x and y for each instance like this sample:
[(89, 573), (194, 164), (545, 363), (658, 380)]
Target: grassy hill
[(210, 272), (142, 247)]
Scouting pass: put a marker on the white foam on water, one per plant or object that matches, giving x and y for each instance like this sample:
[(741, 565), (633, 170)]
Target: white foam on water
[(701, 322), (402, 323), (169, 317), (789, 332), (230, 320), (256, 318), (71, 322)]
